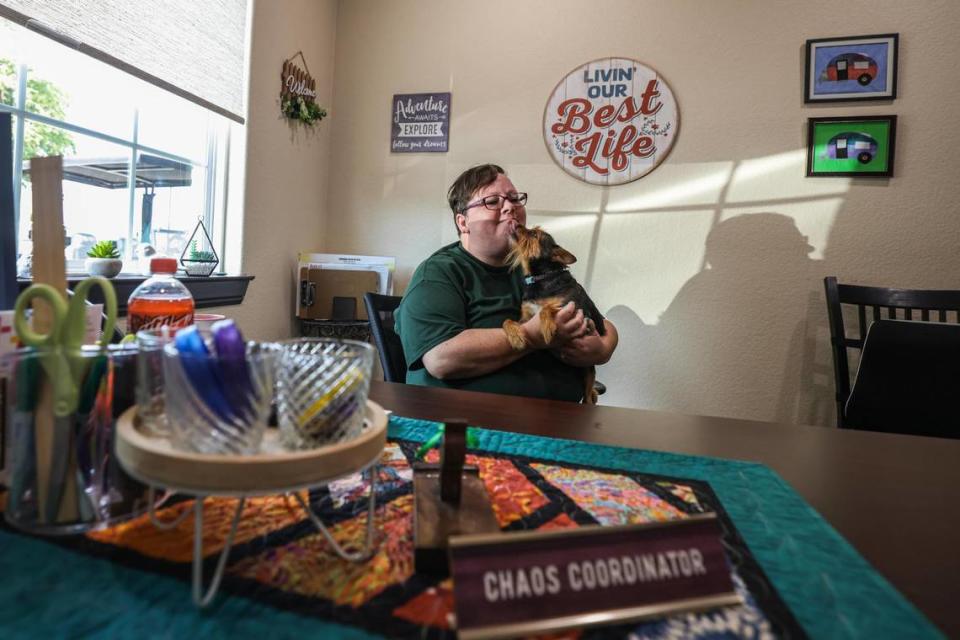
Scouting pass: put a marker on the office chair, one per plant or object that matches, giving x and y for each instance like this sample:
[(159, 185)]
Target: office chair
[(903, 304), (380, 311)]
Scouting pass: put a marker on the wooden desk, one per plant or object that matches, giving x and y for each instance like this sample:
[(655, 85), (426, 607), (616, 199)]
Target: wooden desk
[(892, 497)]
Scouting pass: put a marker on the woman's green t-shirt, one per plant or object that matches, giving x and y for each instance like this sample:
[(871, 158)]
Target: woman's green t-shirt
[(452, 291)]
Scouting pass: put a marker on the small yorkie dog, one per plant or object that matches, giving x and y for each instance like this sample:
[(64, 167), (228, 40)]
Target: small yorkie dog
[(548, 286)]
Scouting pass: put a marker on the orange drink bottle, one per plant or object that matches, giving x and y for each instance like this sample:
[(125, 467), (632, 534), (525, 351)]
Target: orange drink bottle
[(161, 301)]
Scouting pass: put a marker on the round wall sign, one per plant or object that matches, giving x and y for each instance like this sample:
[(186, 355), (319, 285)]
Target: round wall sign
[(610, 121)]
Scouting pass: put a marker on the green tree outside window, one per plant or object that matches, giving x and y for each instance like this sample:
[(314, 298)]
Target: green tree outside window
[(44, 98)]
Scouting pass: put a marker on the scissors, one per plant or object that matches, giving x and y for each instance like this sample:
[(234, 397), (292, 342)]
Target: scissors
[(59, 347)]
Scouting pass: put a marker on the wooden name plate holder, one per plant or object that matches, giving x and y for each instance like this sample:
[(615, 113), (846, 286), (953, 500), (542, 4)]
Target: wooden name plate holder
[(449, 500)]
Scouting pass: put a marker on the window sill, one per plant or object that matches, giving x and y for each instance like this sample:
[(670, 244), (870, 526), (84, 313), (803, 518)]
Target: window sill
[(210, 291)]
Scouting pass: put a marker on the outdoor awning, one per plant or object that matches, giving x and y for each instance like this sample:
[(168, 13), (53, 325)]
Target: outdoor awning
[(113, 173)]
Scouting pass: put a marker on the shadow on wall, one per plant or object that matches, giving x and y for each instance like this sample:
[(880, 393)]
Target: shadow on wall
[(707, 270), (734, 329)]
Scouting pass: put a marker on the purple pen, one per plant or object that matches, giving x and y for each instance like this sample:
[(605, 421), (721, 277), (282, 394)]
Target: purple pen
[(231, 351)]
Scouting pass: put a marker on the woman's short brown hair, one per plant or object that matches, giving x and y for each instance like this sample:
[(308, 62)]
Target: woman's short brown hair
[(467, 184)]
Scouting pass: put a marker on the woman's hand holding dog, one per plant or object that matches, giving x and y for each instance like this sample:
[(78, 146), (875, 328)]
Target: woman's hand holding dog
[(568, 324), (591, 349)]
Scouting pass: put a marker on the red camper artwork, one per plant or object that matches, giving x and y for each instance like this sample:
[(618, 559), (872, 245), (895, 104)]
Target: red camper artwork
[(852, 145), (851, 66)]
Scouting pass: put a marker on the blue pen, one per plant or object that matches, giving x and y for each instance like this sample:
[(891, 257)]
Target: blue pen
[(202, 371)]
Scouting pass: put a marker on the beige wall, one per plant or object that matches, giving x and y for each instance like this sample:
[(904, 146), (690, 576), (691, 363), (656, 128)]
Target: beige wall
[(702, 264), (284, 194)]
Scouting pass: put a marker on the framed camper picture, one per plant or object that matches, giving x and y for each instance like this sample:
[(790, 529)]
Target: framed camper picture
[(852, 68), (861, 146)]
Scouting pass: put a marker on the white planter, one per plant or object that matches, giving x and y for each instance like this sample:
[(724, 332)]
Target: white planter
[(106, 267)]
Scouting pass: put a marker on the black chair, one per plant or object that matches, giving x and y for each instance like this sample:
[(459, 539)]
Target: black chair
[(908, 380), (903, 304), (380, 311)]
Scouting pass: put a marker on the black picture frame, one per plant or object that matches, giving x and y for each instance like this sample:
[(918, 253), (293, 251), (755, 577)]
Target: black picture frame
[(816, 149), (858, 88)]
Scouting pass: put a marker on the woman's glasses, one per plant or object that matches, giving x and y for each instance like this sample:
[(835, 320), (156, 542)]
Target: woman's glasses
[(495, 202)]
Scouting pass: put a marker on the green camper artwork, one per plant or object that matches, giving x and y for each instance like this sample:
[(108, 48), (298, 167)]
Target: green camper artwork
[(851, 147)]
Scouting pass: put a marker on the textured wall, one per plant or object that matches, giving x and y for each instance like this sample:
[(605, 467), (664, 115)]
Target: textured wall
[(712, 265), (284, 194)]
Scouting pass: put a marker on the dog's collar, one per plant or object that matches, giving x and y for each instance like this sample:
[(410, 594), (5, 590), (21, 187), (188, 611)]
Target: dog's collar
[(529, 280)]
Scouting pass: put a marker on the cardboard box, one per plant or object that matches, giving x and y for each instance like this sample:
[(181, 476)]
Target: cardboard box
[(330, 286), (324, 291)]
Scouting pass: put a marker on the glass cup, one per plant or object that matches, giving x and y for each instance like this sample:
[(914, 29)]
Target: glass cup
[(63, 476), (150, 384), (218, 405), (322, 387), (204, 321)]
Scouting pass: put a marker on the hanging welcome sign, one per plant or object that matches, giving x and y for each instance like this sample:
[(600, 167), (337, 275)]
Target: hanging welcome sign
[(610, 121), (298, 92)]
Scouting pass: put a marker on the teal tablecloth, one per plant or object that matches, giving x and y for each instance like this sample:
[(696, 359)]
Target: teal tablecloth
[(48, 590)]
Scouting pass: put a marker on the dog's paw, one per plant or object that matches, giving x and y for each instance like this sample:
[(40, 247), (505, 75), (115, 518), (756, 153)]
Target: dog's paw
[(547, 330), (548, 321), (515, 335)]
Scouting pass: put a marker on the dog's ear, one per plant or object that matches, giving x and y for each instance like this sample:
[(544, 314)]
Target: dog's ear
[(563, 256)]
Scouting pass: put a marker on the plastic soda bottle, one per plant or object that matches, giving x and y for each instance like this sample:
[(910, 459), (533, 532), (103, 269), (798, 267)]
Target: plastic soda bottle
[(161, 300)]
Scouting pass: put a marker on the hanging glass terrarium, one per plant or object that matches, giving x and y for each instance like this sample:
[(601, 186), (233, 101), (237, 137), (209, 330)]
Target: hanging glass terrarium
[(199, 258)]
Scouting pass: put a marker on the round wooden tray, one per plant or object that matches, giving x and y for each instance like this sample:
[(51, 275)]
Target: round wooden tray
[(154, 461)]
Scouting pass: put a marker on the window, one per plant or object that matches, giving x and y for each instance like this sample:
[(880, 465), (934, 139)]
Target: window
[(141, 165)]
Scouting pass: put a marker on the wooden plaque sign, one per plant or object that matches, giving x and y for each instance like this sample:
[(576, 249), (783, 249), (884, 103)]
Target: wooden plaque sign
[(297, 82), (525, 583), (610, 121), (298, 92)]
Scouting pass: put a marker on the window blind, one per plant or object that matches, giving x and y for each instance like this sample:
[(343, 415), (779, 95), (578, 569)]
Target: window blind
[(193, 49)]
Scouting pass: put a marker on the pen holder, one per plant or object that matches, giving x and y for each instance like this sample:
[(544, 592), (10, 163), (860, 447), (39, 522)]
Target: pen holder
[(64, 477), (219, 405), (322, 387)]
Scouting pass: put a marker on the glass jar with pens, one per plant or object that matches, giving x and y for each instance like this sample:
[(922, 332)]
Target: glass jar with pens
[(219, 391), (66, 397), (63, 477)]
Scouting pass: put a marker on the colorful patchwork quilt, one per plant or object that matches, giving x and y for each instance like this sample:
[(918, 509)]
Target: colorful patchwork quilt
[(282, 579)]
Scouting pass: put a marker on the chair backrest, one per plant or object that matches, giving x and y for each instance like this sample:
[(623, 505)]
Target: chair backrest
[(907, 380), (903, 304), (380, 312)]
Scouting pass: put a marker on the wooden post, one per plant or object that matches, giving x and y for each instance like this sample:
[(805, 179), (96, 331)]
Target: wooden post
[(449, 499), (48, 267), (453, 453)]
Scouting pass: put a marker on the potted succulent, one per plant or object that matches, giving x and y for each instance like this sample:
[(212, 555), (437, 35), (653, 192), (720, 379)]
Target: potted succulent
[(103, 259), (198, 262)]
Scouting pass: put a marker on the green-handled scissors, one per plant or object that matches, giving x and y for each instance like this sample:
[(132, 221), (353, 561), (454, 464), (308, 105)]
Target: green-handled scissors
[(65, 337)]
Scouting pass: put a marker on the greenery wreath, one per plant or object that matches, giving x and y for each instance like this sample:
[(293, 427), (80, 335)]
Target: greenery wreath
[(307, 112)]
